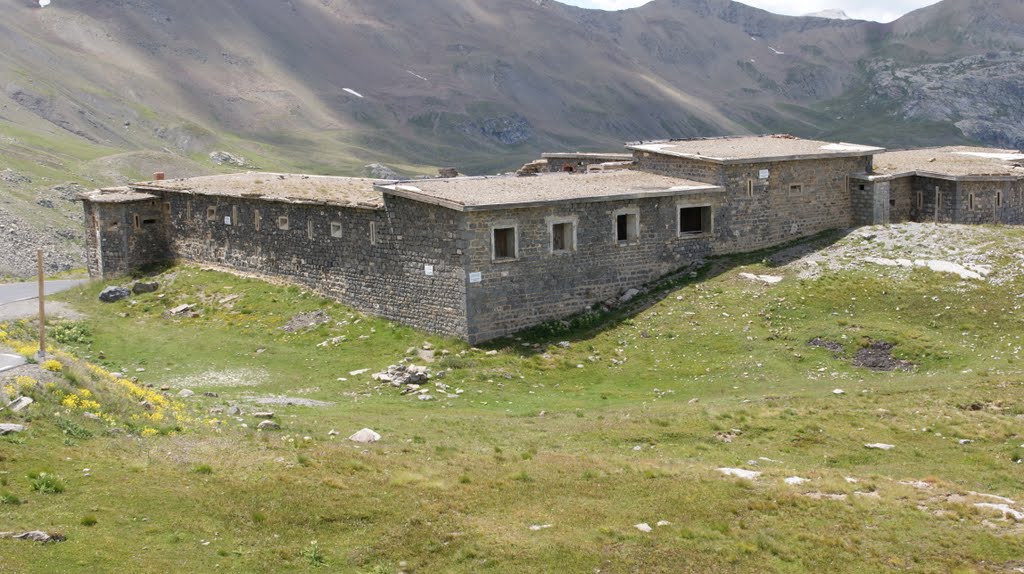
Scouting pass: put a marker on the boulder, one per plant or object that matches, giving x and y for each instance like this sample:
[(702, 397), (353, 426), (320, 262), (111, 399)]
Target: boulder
[(268, 425), (185, 393), (141, 287), (380, 171), (20, 403), (365, 436), (113, 293), (10, 428)]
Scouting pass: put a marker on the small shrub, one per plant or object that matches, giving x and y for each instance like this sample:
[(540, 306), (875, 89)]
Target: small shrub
[(89, 520), (7, 497), (313, 555), (203, 469), (258, 517), (71, 333), (72, 429), (464, 479), (303, 460), (46, 483), (53, 366)]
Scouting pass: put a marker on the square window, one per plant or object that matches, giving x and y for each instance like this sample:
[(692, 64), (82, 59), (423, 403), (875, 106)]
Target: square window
[(796, 188), (504, 242), (563, 237), (694, 220), (336, 229), (282, 222), (211, 213), (627, 227)]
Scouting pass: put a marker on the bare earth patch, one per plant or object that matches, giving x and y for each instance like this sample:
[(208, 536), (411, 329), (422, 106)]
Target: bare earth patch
[(231, 378), (878, 357)]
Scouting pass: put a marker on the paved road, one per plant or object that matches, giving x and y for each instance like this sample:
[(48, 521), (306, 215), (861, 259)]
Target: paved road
[(9, 361), (14, 292)]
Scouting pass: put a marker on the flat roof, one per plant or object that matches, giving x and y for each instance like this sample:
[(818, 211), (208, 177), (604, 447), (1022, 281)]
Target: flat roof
[(588, 155), (279, 187), (114, 195), (510, 192), (952, 162), (746, 149)]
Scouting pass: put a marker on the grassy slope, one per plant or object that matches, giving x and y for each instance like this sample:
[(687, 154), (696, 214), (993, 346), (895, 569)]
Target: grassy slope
[(456, 483)]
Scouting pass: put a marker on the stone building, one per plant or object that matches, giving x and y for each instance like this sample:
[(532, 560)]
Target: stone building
[(483, 257)]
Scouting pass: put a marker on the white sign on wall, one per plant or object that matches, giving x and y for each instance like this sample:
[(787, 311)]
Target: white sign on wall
[(428, 270), (763, 174), (476, 277), (227, 220)]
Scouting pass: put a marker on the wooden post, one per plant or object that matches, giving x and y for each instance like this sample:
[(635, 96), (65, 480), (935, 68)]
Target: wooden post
[(42, 306)]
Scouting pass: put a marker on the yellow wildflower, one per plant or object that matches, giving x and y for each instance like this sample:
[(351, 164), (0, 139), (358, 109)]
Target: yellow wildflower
[(53, 366), (25, 382), (148, 431)]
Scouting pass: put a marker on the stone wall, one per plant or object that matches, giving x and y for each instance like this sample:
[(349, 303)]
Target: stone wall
[(577, 165), (703, 171), (540, 285), (987, 205), (386, 275), (131, 234), (869, 201)]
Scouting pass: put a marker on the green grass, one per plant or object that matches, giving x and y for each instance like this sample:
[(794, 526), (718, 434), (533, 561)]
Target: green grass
[(456, 483)]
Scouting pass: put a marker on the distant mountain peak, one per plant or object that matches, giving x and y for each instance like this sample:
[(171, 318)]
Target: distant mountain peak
[(832, 14)]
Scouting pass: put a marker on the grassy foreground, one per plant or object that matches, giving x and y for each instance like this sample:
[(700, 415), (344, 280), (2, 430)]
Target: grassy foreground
[(550, 454)]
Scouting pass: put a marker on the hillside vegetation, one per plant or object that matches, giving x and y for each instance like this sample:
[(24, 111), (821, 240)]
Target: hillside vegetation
[(546, 452)]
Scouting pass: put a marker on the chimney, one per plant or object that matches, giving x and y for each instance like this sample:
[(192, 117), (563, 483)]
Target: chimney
[(159, 176)]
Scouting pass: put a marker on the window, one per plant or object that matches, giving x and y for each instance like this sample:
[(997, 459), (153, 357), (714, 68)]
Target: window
[(211, 213), (694, 220), (149, 221), (256, 219), (796, 188), (282, 223), (373, 233), (504, 243), (970, 202), (167, 208), (563, 236), (860, 187), (999, 199), (135, 222), (112, 226), (938, 199), (627, 226), (309, 229), (750, 188), (920, 199), (335, 229), (188, 210), (234, 214)]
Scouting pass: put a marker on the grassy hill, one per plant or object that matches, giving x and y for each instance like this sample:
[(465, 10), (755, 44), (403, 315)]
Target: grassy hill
[(543, 452)]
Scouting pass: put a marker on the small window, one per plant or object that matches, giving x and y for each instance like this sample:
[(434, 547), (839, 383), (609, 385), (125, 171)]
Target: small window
[(336, 229), (750, 188), (309, 229), (796, 188), (892, 203), (970, 202), (999, 199), (920, 199), (938, 198), (694, 220), (282, 222), (188, 210), (135, 221), (167, 208), (373, 233), (504, 243), (149, 221), (568, 169), (563, 237), (860, 187), (627, 227), (234, 214), (112, 226), (211, 213)]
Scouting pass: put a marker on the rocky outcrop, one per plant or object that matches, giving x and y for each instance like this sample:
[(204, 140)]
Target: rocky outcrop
[(380, 171)]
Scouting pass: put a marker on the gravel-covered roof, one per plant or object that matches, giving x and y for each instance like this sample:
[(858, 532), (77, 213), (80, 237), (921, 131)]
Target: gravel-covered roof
[(506, 192), (114, 195), (752, 148), (956, 161), (282, 187)]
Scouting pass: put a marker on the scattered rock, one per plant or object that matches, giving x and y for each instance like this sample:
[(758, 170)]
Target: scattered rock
[(795, 480), (112, 294), (877, 356), (1004, 508), (293, 401), (185, 393), (226, 158), (880, 446), (403, 375), (306, 321), (769, 279), (13, 177), (826, 344), (663, 523), (838, 392), (333, 432), (263, 415), (268, 425), (359, 372), (210, 394), (564, 344), (141, 287), (234, 411), (180, 309), (365, 436), (729, 436), (20, 403), (425, 397), (740, 473), (643, 527), (34, 536), (536, 527), (11, 428), (380, 171), (629, 295), (825, 496)]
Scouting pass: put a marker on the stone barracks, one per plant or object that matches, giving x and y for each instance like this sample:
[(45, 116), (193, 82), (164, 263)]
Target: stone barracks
[(483, 257)]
